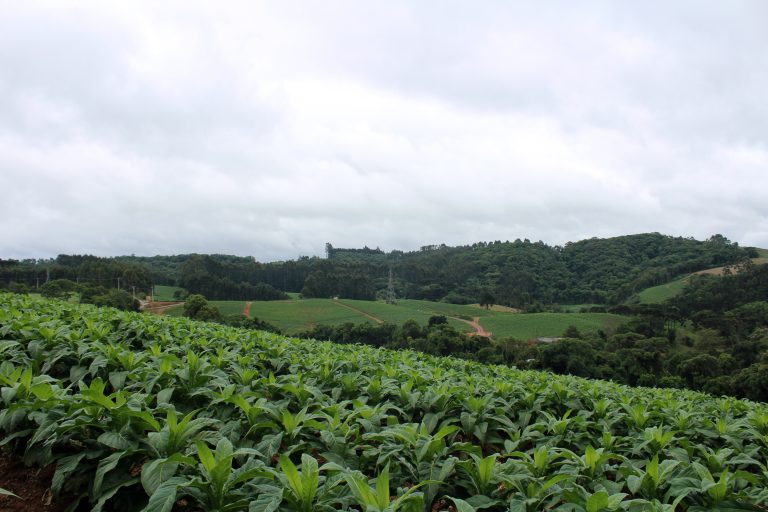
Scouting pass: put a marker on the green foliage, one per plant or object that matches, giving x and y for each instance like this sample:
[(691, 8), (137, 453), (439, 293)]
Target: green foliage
[(154, 412)]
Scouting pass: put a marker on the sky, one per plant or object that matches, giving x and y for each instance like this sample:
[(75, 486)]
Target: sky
[(270, 128)]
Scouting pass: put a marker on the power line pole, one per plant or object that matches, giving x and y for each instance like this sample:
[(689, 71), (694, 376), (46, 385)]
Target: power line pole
[(391, 289)]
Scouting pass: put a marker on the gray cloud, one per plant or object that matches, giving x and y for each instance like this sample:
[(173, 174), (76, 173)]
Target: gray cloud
[(271, 128)]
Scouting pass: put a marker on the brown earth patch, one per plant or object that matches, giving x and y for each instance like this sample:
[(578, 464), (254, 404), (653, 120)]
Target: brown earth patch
[(31, 485), (475, 323), (159, 307)]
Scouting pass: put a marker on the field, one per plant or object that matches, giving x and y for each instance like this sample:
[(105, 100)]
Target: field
[(294, 316), (533, 325), (166, 414), (163, 293), (657, 294)]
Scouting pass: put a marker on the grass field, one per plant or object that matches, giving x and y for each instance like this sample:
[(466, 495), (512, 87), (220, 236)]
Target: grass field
[(660, 293), (299, 315), (163, 293), (534, 325)]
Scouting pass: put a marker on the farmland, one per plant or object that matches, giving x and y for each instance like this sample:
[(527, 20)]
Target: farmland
[(138, 412), (657, 294), (298, 315)]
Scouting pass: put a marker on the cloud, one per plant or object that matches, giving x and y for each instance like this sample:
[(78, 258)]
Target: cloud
[(271, 128)]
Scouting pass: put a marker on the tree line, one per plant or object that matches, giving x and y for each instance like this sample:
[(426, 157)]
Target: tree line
[(528, 275)]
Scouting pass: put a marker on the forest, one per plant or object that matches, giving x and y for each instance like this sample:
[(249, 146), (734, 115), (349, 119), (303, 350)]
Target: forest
[(521, 274)]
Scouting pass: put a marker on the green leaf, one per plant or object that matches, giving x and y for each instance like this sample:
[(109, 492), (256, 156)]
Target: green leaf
[(634, 483), (461, 505), (292, 474), (480, 501), (64, 467), (267, 501), (105, 466), (115, 440), (154, 473), (164, 497), (597, 501), (4, 492)]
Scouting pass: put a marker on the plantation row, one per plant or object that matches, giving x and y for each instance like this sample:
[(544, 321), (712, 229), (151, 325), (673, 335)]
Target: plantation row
[(158, 414)]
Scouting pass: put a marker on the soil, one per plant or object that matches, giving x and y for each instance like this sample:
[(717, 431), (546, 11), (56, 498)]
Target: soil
[(475, 323), (31, 485), (158, 307)]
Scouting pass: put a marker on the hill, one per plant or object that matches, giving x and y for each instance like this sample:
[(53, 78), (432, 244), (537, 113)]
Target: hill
[(175, 411), (520, 274)]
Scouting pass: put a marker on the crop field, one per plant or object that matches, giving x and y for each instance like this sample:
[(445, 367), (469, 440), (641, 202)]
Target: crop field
[(151, 413), (657, 294), (533, 325), (298, 315), (302, 314), (163, 293)]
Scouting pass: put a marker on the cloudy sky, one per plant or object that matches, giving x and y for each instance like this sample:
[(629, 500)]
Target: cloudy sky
[(270, 128)]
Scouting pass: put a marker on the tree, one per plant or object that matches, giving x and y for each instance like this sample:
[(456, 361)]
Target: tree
[(197, 307), (487, 299)]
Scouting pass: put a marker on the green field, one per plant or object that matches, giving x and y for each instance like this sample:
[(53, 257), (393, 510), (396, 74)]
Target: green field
[(163, 293), (660, 293), (299, 315), (533, 325)]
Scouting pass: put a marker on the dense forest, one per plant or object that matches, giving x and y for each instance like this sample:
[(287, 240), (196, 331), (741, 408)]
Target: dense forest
[(522, 274)]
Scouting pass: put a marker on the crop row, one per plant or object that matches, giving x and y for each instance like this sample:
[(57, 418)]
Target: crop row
[(141, 412)]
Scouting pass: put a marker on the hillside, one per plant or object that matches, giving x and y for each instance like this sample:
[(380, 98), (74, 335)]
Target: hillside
[(179, 410), (660, 293), (520, 274)]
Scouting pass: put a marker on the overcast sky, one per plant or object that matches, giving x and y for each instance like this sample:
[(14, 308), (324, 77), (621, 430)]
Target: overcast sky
[(270, 128)]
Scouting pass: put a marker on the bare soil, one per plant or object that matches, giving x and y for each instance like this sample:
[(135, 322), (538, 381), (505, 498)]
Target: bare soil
[(159, 307), (31, 485), (475, 323)]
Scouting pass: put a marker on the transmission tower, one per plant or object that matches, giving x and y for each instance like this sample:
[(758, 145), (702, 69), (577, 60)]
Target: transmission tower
[(391, 289)]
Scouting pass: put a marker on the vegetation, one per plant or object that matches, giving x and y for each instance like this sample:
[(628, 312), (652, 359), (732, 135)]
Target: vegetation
[(101, 273), (521, 274), (138, 412)]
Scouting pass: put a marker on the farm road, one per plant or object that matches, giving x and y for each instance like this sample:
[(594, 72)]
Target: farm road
[(475, 323)]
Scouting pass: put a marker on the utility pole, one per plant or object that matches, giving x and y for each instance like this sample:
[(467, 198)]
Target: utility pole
[(118, 283)]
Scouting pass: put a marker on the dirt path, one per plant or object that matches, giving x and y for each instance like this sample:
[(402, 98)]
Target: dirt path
[(475, 323), (357, 310), (158, 307), (247, 310)]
